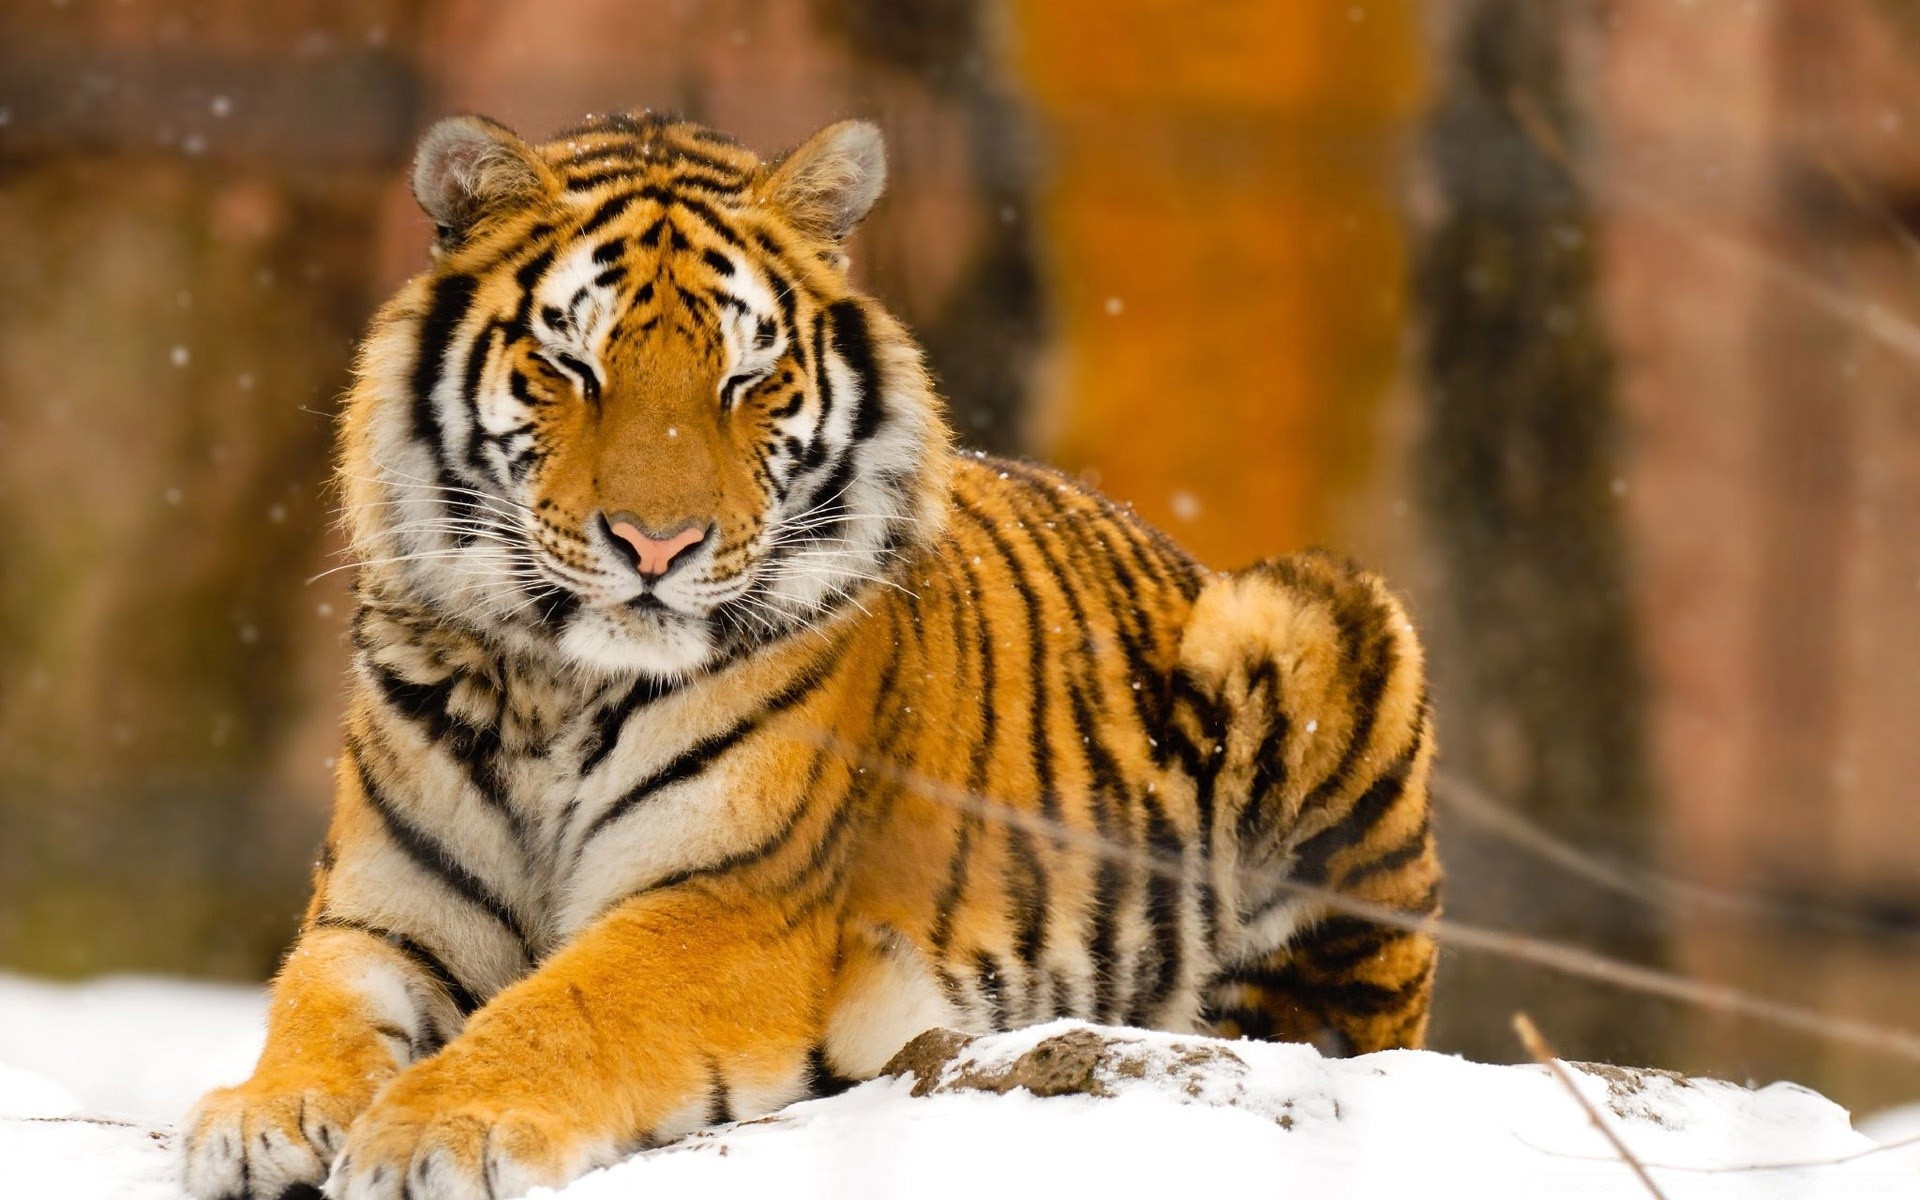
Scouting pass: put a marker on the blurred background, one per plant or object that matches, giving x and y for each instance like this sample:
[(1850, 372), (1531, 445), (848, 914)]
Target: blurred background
[(1594, 323)]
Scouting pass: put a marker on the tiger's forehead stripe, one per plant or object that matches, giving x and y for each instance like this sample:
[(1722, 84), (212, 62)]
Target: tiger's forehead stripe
[(613, 148)]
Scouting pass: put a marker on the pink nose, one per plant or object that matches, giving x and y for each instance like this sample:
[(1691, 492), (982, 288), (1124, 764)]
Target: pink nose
[(652, 555)]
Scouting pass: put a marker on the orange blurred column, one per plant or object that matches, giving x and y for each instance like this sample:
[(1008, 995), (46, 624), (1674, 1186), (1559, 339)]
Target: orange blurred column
[(1227, 252)]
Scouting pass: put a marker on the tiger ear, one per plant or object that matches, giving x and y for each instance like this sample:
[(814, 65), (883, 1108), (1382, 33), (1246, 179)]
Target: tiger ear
[(827, 183), (468, 167)]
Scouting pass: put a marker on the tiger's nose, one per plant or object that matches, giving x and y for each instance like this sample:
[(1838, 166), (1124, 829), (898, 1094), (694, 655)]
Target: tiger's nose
[(652, 556)]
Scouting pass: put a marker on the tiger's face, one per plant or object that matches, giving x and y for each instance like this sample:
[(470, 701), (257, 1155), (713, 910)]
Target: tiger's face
[(636, 413)]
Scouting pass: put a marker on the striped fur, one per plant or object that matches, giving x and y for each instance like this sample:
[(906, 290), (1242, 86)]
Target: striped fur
[(910, 738)]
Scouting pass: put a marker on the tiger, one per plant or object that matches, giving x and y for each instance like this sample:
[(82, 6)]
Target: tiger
[(716, 725)]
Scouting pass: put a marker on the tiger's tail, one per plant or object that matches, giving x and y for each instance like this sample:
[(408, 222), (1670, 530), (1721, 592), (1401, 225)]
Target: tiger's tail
[(1300, 711)]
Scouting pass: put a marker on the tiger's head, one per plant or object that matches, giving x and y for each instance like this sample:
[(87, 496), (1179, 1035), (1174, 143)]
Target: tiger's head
[(635, 413)]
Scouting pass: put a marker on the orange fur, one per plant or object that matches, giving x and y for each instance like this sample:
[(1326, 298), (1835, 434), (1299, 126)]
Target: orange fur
[(908, 738)]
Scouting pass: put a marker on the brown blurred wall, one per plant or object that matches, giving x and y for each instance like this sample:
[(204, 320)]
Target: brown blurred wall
[(188, 205), (1762, 180), (1224, 235)]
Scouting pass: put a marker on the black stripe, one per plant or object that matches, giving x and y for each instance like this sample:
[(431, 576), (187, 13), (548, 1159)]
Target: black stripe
[(1409, 848), (1103, 943), (1150, 699), (824, 384), (584, 376), (728, 184), (1031, 939), (1252, 1022), (435, 859), (699, 209), (449, 300), (854, 342), (783, 294), (713, 137), (1269, 764), (719, 1101), (698, 757), (1213, 728), (611, 720), (529, 274), (823, 1080), (609, 209), (1109, 786), (991, 980), (1040, 746), (1061, 998), (679, 155), (980, 755), (824, 886), (643, 124), (823, 874), (554, 606), (522, 390), (1170, 566), (475, 748), (1342, 943), (1028, 897), (478, 352), (618, 150), (464, 1000), (1162, 912), (949, 898), (1116, 579), (759, 852), (1312, 858), (694, 301), (1355, 622), (421, 703), (1347, 997)]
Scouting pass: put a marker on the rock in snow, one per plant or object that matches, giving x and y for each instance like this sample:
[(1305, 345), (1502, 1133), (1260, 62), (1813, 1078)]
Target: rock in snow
[(1059, 1109)]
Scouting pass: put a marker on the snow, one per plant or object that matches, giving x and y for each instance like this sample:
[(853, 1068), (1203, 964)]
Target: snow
[(1897, 1126), (92, 1077), (139, 1048)]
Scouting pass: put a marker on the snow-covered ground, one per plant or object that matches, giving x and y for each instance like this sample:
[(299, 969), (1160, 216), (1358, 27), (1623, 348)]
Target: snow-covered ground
[(92, 1077)]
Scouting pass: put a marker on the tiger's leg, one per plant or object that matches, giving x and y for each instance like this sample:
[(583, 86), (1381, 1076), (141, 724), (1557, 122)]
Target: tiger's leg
[(678, 1009), (1300, 711), (352, 1005)]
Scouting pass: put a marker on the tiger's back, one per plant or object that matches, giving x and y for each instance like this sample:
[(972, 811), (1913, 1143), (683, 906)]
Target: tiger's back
[(1115, 786), (716, 729)]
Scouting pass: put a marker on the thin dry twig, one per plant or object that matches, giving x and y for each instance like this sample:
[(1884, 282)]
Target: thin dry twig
[(1543, 1054)]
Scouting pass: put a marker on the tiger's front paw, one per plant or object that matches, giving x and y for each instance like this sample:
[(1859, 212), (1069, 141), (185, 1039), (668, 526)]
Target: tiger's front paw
[(257, 1143), (425, 1141)]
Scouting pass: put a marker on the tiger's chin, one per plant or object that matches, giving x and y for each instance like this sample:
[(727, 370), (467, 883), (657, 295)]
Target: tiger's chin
[(652, 640)]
